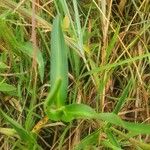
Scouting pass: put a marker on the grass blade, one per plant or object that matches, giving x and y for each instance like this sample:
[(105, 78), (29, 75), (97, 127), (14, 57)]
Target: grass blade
[(88, 140), (112, 43), (122, 98), (21, 49), (24, 135), (28, 50)]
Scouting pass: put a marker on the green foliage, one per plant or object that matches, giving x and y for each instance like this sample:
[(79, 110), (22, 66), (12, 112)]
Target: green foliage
[(97, 60), (54, 105), (59, 62), (3, 65), (4, 87), (24, 50), (24, 135)]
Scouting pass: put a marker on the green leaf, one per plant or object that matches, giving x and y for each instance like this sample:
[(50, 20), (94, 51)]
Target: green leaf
[(54, 113), (88, 140), (6, 34), (59, 62), (112, 43), (24, 135), (77, 111), (52, 94), (4, 87), (49, 107), (116, 64), (93, 139), (70, 112), (3, 66), (130, 126), (122, 98), (106, 143), (19, 48), (112, 138), (27, 49), (81, 111)]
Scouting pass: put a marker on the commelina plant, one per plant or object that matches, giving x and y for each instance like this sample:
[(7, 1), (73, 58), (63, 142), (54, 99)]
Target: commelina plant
[(79, 49)]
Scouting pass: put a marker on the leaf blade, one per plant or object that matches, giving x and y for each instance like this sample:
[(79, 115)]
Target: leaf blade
[(4, 87), (59, 64), (24, 135)]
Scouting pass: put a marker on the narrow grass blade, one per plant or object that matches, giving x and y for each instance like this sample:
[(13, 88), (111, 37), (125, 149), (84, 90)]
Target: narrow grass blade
[(26, 13), (88, 140), (112, 43), (8, 37), (110, 145), (116, 64), (24, 135), (122, 98), (93, 139), (19, 48), (112, 138), (78, 27), (28, 50)]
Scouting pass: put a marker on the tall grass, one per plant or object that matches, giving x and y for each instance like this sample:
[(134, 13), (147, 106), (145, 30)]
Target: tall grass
[(74, 75)]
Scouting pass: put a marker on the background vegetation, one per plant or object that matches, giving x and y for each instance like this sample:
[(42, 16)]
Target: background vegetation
[(93, 62)]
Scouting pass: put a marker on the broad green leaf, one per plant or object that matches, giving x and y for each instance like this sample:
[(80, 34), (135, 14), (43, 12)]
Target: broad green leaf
[(80, 111), (24, 135), (52, 94), (59, 62), (70, 112), (4, 87), (130, 126), (54, 113), (50, 109), (77, 111)]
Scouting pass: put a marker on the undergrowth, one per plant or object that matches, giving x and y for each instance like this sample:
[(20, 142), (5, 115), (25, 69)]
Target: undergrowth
[(74, 75)]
